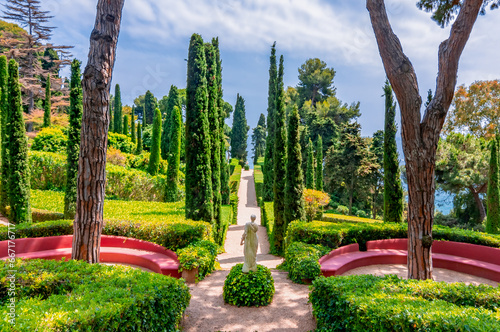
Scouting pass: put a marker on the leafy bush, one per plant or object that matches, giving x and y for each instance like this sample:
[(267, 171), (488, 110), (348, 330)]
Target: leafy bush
[(141, 162), (48, 170), (77, 296), (301, 261), (50, 139), (120, 142), (314, 202), (201, 255), (116, 157), (361, 214), (232, 165), (249, 289), (333, 217), (259, 181), (267, 219), (44, 215), (341, 209), (369, 303), (234, 186)]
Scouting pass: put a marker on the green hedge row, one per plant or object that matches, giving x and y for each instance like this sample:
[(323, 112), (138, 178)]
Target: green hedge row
[(201, 255), (76, 296), (267, 219), (301, 261), (234, 186), (333, 217), (333, 235), (370, 303), (258, 177)]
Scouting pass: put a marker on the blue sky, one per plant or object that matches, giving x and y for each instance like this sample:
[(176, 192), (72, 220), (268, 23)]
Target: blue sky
[(155, 35)]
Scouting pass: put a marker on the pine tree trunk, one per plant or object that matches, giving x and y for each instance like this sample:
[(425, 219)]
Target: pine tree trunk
[(95, 121)]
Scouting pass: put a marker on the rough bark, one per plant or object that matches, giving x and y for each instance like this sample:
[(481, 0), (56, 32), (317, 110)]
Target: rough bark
[(420, 137), (95, 121)]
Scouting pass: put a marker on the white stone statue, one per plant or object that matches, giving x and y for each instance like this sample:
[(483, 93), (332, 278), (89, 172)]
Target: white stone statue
[(251, 242)]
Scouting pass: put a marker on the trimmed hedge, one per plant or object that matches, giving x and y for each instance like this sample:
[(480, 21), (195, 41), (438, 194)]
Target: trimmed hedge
[(334, 235), (332, 217), (258, 177), (48, 170), (77, 296), (267, 219), (370, 303), (234, 186), (201, 255), (301, 261), (249, 289)]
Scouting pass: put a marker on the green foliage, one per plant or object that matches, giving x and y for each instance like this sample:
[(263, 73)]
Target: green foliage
[(50, 139), (47, 104), (493, 196), (73, 147), (294, 188), (370, 303), (234, 186), (268, 170), (19, 179), (267, 220), (149, 108), (105, 298), (199, 195), (201, 255), (154, 159), (48, 170), (118, 125), (444, 11), (4, 115), (174, 155), (315, 81), (133, 133), (259, 179), (310, 166), (139, 147), (375, 180), (172, 101), (301, 261), (259, 139), (239, 131), (125, 125), (120, 142), (319, 164), (249, 289)]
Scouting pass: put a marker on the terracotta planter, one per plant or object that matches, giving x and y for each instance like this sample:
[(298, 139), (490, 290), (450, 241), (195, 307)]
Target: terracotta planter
[(190, 275)]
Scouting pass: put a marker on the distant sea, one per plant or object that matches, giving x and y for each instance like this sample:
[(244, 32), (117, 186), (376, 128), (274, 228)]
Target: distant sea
[(443, 201)]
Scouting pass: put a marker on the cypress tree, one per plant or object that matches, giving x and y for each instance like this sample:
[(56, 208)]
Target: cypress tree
[(132, 125), (319, 164), (280, 160), (172, 101), (125, 125), (4, 114), (149, 108), (224, 164), (493, 196), (310, 166), (393, 191), (174, 155), (198, 170), (111, 111), (215, 139), (19, 186), (239, 132), (138, 149), (73, 147), (268, 194), (154, 158), (118, 128), (47, 105), (294, 190)]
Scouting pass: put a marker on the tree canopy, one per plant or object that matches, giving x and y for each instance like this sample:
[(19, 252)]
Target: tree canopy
[(315, 81)]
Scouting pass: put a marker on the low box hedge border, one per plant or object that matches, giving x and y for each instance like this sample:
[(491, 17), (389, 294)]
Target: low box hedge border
[(234, 186), (301, 261), (77, 296)]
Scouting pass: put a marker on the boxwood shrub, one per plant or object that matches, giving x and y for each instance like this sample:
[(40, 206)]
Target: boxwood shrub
[(249, 289), (370, 303), (267, 219), (259, 181), (201, 255), (301, 261), (77, 296)]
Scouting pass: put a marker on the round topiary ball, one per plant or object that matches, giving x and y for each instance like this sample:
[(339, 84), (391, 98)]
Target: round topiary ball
[(249, 289)]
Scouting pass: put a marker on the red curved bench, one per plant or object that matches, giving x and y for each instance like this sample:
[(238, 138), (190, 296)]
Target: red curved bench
[(468, 258), (114, 249)]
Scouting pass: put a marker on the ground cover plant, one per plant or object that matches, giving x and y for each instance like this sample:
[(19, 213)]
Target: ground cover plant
[(77, 296), (255, 288)]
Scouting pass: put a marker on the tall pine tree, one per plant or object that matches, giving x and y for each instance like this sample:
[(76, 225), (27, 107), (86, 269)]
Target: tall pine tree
[(172, 101), (319, 164), (393, 191), (310, 166), (139, 147), (174, 155), (155, 156), (19, 186), (493, 195), (47, 104), (268, 194), (280, 160), (239, 132), (294, 190), (4, 114), (199, 205), (73, 146), (132, 125), (118, 125)]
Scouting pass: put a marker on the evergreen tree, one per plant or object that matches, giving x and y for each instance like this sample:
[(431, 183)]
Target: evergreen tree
[(172, 101), (393, 191), (294, 190), (149, 108), (310, 166), (319, 164), (132, 125), (47, 105), (117, 126), (19, 186), (268, 194), (139, 147), (73, 147), (259, 139), (174, 155), (215, 139), (493, 196), (125, 125), (198, 170), (111, 128), (239, 132), (154, 158), (279, 159), (4, 115)]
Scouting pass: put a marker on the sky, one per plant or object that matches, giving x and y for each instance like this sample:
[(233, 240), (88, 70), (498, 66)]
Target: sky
[(155, 34)]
